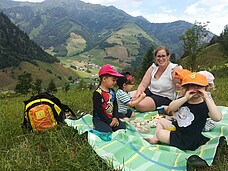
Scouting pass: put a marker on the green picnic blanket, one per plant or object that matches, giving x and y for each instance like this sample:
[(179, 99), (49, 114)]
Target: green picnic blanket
[(127, 150)]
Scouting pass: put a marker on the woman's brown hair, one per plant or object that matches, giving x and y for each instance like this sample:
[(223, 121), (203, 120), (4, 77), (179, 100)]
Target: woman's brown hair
[(161, 48)]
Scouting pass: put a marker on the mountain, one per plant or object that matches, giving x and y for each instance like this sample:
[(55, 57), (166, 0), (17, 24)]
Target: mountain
[(167, 33), (96, 33), (19, 54), (14, 42)]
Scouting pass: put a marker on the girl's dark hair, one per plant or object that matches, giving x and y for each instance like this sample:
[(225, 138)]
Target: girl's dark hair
[(127, 79)]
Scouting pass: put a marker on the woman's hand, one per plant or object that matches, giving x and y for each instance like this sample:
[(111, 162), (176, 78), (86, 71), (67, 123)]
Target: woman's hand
[(142, 95), (114, 122), (137, 94)]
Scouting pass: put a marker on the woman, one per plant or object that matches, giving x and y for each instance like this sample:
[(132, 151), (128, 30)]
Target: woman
[(157, 82)]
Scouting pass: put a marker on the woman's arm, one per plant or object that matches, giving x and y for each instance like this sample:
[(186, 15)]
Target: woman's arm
[(134, 102), (145, 82)]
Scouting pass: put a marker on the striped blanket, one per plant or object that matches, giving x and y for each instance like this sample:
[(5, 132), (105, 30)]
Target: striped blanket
[(127, 150)]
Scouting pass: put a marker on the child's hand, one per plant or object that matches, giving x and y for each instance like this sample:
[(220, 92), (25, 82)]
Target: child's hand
[(203, 93), (190, 93), (133, 98), (114, 122)]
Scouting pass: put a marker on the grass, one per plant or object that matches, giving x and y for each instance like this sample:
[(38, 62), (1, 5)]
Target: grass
[(62, 148), (58, 149), (9, 77), (207, 57)]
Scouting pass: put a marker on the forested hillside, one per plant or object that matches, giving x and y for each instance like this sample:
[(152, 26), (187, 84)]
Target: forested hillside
[(15, 46), (19, 55)]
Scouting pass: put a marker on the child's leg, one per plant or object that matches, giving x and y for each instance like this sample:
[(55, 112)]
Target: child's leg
[(101, 126), (133, 114), (126, 119), (123, 117), (130, 113), (161, 134)]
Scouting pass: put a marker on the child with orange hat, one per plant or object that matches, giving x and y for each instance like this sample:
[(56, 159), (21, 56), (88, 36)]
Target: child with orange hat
[(178, 76), (105, 110), (191, 112), (211, 86)]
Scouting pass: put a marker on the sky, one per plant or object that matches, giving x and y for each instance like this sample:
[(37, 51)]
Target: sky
[(213, 11)]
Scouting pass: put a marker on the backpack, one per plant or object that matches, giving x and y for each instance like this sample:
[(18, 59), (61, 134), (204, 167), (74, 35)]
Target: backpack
[(45, 111)]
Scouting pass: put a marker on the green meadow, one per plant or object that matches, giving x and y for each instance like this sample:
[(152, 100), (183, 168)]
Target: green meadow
[(62, 148)]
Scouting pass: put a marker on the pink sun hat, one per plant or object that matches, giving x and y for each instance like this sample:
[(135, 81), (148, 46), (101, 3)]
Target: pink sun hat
[(210, 77)]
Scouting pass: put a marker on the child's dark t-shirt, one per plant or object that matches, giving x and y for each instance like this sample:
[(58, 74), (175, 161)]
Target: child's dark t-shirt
[(104, 105), (188, 134)]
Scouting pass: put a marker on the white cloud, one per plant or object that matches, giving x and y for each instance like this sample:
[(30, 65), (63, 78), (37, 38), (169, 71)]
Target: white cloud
[(135, 13), (209, 10), (160, 18), (217, 8), (167, 10), (120, 3), (194, 9), (30, 0)]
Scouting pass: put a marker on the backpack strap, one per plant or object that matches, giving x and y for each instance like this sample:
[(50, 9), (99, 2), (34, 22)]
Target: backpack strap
[(68, 113)]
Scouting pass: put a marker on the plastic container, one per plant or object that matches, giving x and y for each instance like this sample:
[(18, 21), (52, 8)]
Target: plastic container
[(161, 110), (170, 127)]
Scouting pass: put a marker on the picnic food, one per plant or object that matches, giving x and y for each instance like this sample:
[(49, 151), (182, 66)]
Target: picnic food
[(141, 126)]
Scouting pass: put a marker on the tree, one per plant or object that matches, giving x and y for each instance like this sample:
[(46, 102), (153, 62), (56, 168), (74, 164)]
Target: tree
[(148, 59), (52, 87), (66, 87), (37, 86), (81, 84), (173, 58), (194, 40), (24, 83), (70, 78), (223, 39)]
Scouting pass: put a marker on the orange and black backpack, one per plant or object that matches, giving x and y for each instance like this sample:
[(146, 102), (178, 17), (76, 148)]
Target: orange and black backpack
[(45, 111)]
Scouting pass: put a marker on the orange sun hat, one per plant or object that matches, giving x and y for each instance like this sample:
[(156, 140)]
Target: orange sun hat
[(179, 74), (195, 78)]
